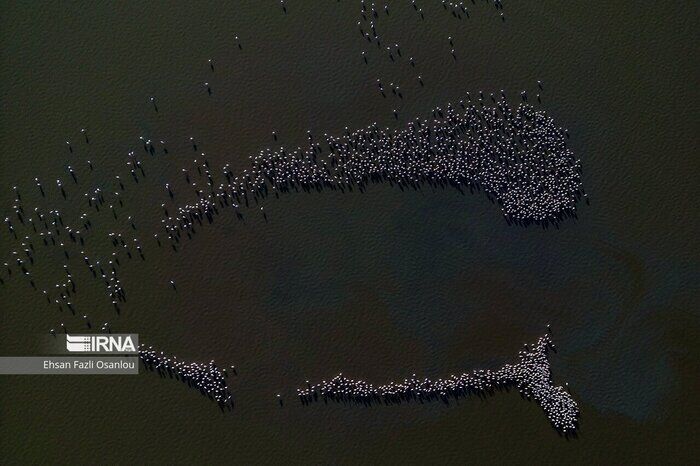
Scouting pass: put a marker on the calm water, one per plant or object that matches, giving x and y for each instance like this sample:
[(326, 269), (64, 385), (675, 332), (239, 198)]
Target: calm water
[(379, 284)]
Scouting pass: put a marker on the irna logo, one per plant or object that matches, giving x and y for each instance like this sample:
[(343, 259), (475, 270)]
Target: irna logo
[(101, 343)]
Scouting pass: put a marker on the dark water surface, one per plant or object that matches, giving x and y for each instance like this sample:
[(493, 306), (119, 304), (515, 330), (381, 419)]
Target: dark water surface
[(380, 284)]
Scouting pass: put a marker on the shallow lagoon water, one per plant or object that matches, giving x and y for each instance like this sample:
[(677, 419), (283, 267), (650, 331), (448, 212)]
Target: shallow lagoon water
[(380, 284)]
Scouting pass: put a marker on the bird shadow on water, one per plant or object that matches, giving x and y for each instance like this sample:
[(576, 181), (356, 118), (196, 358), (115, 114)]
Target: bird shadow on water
[(208, 380), (530, 376)]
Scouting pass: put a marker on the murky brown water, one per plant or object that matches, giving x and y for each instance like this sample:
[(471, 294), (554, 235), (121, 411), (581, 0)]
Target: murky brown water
[(378, 284)]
